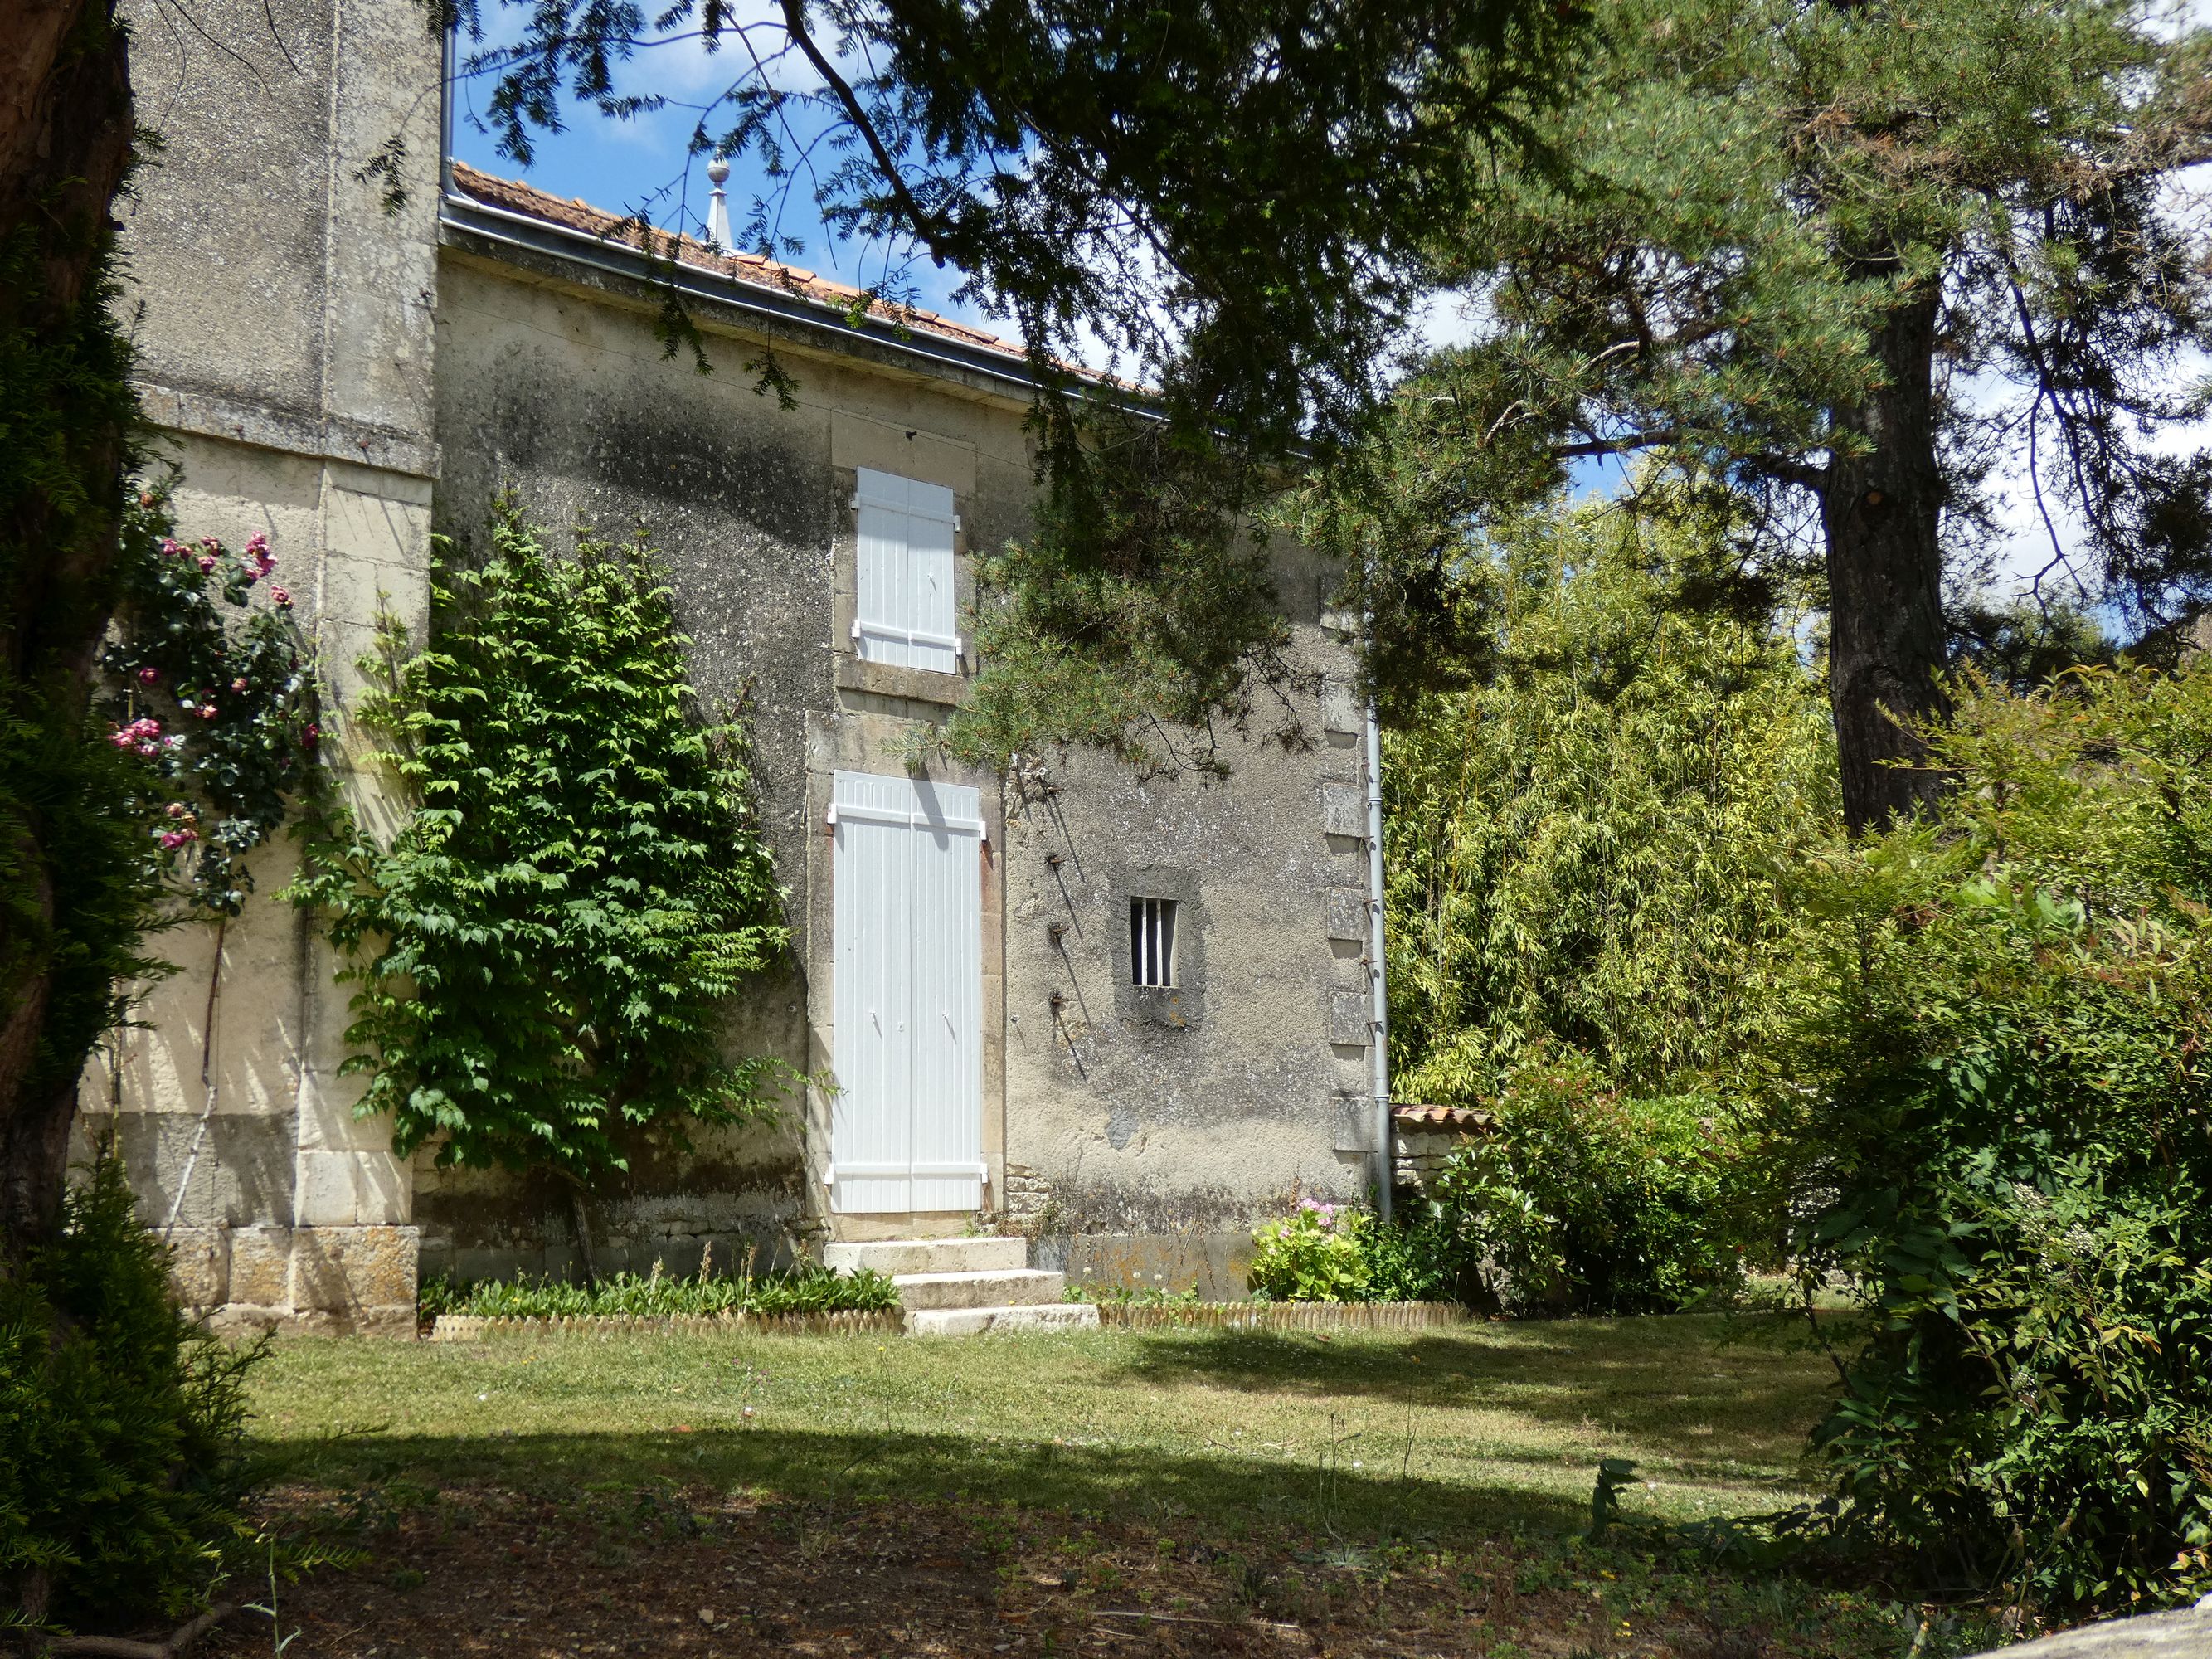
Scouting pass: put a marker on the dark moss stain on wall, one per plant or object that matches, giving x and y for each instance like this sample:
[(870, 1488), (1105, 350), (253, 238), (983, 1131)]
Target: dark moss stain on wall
[(742, 515)]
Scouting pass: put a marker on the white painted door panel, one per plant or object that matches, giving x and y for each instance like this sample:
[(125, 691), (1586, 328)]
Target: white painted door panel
[(907, 1124)]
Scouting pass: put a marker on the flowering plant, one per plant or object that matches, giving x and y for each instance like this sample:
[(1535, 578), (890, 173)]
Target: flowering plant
[(1318, 1253), (214, 693)]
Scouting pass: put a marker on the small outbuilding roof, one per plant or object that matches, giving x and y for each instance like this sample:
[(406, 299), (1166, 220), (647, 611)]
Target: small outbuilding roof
[(1469, 1120)]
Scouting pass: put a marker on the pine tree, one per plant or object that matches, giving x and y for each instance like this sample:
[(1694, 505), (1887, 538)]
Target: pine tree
[(1845, 255)]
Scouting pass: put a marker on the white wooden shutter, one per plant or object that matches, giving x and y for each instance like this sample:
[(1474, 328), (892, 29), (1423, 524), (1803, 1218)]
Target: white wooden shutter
[(906, 613), (907, 1126), (870, 1128)]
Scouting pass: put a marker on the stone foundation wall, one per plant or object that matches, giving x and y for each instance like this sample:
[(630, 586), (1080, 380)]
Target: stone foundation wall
[(1212, 1263), (1419, 1157), (332, 1280), (735, 1196)]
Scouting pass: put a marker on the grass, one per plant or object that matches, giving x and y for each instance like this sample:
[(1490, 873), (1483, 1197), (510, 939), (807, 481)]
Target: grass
[(1298, 1475), (1494, 1426)]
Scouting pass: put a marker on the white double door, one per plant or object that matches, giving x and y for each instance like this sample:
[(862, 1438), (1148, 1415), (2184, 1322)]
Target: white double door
[(907, 1124)]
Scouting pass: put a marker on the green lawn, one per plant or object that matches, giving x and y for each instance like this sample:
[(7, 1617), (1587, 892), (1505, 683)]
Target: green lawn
[(1414, 1492), (1490, 1426)]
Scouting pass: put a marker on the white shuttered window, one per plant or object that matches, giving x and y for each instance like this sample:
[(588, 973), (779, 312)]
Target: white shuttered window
[(906, 614)]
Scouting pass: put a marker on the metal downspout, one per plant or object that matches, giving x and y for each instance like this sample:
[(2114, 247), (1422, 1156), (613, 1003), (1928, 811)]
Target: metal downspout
[(1385, 1159), (449, 70)]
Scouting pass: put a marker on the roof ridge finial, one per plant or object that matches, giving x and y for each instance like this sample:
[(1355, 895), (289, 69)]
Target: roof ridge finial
[(718, 207)]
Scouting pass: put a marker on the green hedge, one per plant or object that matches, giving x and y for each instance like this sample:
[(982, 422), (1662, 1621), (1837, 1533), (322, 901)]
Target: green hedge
[(654, 1295), (1994, 1115), (1587, 1201), (120, 1424)]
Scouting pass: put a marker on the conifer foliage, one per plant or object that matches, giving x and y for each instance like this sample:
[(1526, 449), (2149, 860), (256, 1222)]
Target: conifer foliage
[(548, 948), (120, 1428), (1849, 257)]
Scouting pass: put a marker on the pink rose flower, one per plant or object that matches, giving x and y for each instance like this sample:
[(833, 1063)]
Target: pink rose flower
[(148, 675), (238, 685), (206, 562), (207, 711), (281, 598), (136, 735)]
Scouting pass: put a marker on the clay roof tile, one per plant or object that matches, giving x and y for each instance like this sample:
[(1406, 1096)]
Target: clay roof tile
[(576, 214), (1469, 1119)]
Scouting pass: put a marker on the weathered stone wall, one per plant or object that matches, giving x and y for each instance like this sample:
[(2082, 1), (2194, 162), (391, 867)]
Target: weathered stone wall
[(288, 345), (1162, 1116), (1144, 1122), (559, 389), (1419, 1152), (282, 317)]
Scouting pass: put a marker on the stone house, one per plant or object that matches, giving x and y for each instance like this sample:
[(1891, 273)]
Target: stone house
[(1126, 1016)]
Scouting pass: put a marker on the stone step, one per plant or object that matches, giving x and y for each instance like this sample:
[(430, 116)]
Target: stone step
[(976, 1322), (895, 1257), (1015, 1287)]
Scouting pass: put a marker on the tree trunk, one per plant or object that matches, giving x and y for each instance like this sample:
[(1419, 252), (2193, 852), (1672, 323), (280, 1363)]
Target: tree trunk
[(1879, 516), (582, 1223), (66, 137)]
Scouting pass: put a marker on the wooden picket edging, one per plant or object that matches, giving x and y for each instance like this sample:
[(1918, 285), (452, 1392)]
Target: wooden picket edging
[(1284, 1315), (473, 1327), (1138, 1316)]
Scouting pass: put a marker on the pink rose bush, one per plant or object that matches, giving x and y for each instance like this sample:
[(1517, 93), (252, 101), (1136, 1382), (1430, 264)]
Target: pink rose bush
[(214, 695)]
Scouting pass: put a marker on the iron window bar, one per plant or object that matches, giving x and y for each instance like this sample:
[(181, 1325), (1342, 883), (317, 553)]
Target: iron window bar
[(1151, 942)]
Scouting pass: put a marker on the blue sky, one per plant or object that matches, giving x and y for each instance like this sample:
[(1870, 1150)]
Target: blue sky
[(642, 163)]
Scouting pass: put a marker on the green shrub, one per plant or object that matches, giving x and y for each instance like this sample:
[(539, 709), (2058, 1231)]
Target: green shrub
[(548, 951), (817, 1289), (1997, 1101), (1580, 847), (1420, 1259), (120, 1424), (654, 1295), (1317, 1253), (1584, 1200), (1341, 1252)]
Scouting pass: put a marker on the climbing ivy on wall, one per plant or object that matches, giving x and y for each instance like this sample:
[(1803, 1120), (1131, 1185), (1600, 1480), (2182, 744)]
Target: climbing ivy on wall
[(548, 948)]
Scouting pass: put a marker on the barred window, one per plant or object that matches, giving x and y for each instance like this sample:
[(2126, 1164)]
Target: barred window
[(1151, 941)]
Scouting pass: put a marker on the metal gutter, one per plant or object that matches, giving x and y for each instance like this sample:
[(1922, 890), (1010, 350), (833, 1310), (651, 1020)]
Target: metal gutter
[(507, 228)]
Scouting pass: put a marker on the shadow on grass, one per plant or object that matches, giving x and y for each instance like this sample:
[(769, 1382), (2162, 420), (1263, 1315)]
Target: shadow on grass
[(1231, 1494), (1676, 1383)]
